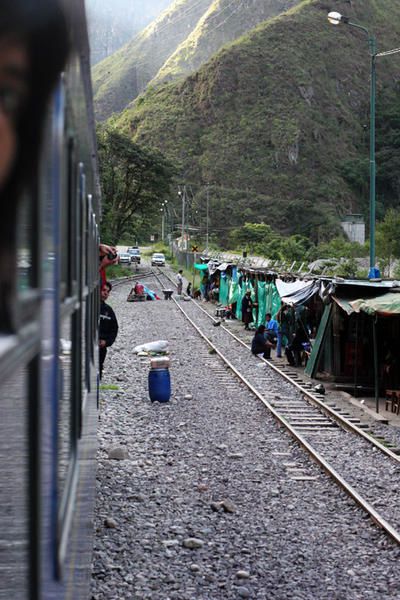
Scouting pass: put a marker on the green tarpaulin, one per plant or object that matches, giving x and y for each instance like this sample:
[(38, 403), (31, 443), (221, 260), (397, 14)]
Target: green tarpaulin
[(224, 290), (201, 267), (273, 300), (233, 292), (261, 295), (268, 301)]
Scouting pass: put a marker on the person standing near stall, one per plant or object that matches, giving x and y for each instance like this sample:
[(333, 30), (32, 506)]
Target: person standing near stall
[(247, 309)]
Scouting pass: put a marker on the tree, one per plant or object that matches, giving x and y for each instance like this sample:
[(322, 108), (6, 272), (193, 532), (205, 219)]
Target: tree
[(134, 182), (252, 235), (262, 240), (295, 248), (340, 248), (387, 238), (388, 146)]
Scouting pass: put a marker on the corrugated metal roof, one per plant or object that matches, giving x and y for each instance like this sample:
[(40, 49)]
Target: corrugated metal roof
[(385, 306)]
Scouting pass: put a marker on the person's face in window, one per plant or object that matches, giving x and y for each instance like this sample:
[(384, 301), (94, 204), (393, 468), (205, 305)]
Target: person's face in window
[(105, 292), (13, 94)]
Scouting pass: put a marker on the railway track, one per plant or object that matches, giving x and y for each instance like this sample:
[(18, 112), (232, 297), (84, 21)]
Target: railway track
[(364, 468)]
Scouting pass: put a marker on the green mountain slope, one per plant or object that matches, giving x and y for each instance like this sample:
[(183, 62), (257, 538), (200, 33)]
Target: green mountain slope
[(182, 39), (223, 22), (122, 76), (272, 119)]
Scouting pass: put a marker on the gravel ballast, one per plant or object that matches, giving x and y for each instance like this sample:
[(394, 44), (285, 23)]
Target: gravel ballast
[(205, 497)]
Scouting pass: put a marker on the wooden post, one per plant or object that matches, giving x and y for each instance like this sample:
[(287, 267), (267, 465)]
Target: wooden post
[(376, 375)]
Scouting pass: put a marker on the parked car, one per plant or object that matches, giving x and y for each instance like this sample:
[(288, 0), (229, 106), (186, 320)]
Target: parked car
[(124, 258), (134, 252), (158, 259)]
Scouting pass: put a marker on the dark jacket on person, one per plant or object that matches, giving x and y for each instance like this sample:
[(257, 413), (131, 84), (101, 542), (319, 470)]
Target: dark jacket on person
[(108, 326), (258, 344), (247, 306)]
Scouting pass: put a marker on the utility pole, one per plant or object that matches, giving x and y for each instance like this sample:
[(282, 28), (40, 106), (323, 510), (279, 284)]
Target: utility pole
[(207, 205), (183, 194)]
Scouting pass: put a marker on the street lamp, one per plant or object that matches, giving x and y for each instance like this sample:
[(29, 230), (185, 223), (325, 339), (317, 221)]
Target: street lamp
[(336, 18), (162, 222)]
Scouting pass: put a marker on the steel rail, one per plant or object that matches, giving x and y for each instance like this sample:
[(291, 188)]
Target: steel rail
[(327, 410), (366, 506), (345, 423), (121, 280)]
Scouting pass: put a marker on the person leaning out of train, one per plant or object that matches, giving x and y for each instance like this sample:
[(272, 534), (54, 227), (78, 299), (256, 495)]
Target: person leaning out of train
[(108, 255), (33, 52), (108, 327), (260, 345)]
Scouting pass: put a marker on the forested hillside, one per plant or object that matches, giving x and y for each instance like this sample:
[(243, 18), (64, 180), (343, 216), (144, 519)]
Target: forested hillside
[(277, 122), (182, 39)]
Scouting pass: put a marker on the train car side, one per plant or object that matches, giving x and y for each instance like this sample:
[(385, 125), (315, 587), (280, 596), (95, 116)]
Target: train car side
[(48, 364)]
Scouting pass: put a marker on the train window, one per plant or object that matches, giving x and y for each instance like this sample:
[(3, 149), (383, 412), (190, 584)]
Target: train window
[(66, 413), (84, 225), (64, 231), (14, 488), (73, 221), (25, 246)]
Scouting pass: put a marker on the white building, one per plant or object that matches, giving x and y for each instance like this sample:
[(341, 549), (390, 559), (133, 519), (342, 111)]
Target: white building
[(354, 228)]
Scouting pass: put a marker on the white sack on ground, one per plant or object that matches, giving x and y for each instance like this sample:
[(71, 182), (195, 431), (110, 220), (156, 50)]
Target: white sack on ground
[(158, 346)]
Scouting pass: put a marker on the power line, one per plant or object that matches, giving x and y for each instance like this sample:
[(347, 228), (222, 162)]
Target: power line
[(179, 17), (388, 52), (166, 57)]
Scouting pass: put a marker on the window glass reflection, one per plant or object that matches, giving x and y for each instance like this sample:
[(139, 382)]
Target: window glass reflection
[(24, 245)]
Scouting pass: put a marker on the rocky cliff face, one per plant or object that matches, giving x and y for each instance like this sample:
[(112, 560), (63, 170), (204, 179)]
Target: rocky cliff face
[(182, 39)]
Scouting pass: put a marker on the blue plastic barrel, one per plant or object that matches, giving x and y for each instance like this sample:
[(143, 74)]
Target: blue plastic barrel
[(159, 385), (374, 273)]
